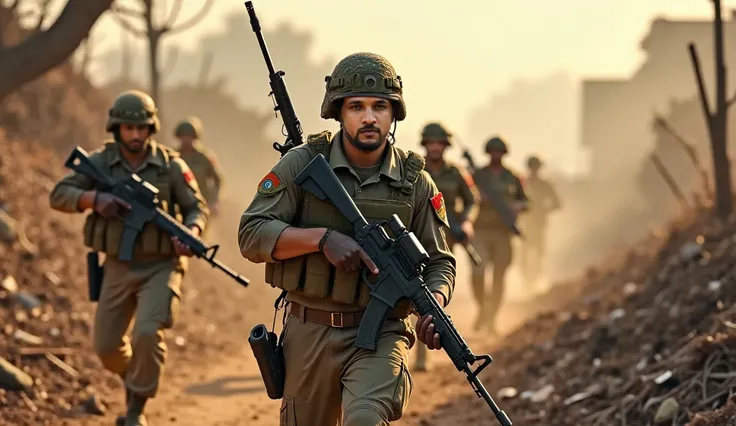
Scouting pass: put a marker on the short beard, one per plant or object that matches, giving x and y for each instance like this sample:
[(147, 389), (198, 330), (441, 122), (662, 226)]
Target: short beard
[(144, 145), (363, 146)]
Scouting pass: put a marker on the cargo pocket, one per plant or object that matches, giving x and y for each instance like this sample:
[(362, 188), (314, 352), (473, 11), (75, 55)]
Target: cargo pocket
[(288, 416), (317, 279), (402, 393)]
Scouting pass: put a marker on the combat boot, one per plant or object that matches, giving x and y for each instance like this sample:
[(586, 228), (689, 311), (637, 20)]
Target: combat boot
[(134, 416)]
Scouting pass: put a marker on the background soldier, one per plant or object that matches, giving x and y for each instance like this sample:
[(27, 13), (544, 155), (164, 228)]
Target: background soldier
[(201, 160), (455, 184), (310, 252), (493, 238), (544, 200), (148, 287)]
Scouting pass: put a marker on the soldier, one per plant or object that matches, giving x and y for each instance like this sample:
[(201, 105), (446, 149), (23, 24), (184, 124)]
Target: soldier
[(202, 161), (310, 252), (455, 184), (493, 238), (149, 286), (544, 200)]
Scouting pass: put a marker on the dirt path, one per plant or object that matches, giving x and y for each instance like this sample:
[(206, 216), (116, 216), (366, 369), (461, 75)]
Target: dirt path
[(217, 382)]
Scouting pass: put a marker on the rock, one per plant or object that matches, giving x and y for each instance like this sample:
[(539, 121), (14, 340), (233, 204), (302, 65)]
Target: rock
[(8, 227), (507, 393), (9, 284), (94, 406), (28, 300), (666, 411), (543, 394), (690, 251), (27, 338), (12, 378)]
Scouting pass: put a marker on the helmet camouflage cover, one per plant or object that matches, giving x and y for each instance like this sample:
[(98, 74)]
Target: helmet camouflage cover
[(363, 74), (190, 126), (496, 144), (133, 107), (435, 131), (533, 161)]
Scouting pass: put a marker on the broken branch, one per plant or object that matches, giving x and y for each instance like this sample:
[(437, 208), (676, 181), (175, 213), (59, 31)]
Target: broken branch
[(194, 20)]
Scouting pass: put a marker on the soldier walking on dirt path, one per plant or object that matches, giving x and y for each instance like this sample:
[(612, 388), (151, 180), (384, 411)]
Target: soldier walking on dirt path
[(201, 160), (455, 184), (310, 252), (492, 237), (543, 201), (149, 286)]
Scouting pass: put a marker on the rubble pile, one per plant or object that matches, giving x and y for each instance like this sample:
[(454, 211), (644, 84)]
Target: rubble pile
[(651, 342), (47, 367)]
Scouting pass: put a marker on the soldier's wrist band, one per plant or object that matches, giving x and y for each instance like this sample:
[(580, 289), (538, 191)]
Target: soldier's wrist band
[(321, 245)]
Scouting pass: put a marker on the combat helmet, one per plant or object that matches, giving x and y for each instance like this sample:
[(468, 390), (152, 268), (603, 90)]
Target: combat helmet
[(190, 126), (363, 74), (496, 144), (133, 107), (436, 131), (534, 162)]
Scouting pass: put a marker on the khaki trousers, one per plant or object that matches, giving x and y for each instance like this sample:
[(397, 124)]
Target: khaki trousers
[(150, 292), (331, 382), (494, 248)]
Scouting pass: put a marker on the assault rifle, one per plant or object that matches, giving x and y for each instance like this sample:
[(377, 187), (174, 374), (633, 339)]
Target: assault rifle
[(401, 259), (503, 209), (143, 200), (279, 94), (461, 237)]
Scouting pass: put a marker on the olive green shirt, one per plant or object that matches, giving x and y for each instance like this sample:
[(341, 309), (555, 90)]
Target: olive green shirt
[(505, 183), (65, 195), (267, 216), (543, 199), (203, 163), (458, 189)]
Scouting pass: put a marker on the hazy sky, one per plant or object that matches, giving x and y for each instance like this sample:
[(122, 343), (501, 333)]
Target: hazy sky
[(453, 54)]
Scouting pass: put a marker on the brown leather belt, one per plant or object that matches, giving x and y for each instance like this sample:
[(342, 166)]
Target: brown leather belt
[(332, 319)]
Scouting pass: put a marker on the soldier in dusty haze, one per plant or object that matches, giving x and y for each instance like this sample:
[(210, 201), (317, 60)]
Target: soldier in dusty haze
[(460, 195), (310, 252), (492, 236), (201, 160), (149, 286), (543, 201)]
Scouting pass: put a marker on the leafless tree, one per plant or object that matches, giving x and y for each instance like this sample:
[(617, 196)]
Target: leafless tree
[(717, 120), (153, 32), (23, 59)]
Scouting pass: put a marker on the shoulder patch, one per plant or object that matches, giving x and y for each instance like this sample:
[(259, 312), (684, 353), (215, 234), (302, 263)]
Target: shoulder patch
[(270, 185), (188, 175), (438, 204)]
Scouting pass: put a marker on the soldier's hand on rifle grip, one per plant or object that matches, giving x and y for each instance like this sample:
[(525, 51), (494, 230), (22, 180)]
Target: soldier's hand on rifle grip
[(425, 328), (110, 206), (183, 249), (344, 252)]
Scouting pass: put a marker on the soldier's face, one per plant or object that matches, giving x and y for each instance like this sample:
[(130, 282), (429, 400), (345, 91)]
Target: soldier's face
[(186, 140), (134, 137), (496, 156), (435, 149), (366, 121)]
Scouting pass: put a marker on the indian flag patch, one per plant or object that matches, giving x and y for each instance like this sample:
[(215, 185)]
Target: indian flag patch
[(270, 185), (438, 204)]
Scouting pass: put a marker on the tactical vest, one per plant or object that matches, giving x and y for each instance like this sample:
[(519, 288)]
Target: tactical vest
[(313, 274), (101, 234), (506, 186)]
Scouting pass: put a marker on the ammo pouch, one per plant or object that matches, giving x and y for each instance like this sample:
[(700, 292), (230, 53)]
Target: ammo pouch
[(95, 274)]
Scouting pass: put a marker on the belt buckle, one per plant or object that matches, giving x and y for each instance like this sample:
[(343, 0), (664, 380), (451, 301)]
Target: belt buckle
[(336, 320)]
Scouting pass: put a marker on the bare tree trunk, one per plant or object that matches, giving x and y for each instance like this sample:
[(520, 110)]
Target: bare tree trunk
[(154, 36), (44, 50), (721, 162)]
